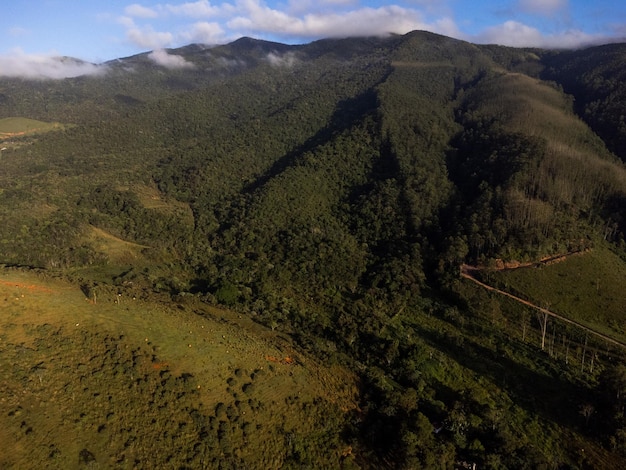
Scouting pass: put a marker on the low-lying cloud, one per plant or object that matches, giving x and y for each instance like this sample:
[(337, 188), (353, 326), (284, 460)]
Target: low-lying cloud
[(285, 60), (170, 61), (148, 25), (39, 66), (515, 34)]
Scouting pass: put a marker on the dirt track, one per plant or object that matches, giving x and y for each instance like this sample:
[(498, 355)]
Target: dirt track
[(466, 271), (30, 287)]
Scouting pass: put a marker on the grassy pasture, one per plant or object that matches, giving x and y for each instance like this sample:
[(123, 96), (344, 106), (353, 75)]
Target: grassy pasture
[(128, 383), (18, 126), (117, 250), (588, 287)]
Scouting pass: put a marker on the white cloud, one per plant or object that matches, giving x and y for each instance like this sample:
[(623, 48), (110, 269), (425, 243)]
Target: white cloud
[(199, 9), (300, 7), (230, 63), (148, 38), (170, 61), (139, 11), (126, 21), (510, 33), (362, 22), (203, 33), (542, 7), (515, 34), (447, 27), (39, 66), (285, 60), (316, 19)]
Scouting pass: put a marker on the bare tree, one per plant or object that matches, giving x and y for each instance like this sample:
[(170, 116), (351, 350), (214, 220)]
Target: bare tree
[(582, 362), (587, 410), (543, 323)]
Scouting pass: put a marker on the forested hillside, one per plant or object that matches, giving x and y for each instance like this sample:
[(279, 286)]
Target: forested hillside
[(332, 191)]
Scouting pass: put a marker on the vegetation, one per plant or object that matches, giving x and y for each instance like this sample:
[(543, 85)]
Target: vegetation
[(330, 192), (598, 304), (120, 382)]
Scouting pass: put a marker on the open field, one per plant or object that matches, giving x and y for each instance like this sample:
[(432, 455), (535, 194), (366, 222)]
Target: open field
[(588, 288), (116, 249), (17, 126), (127, 383)]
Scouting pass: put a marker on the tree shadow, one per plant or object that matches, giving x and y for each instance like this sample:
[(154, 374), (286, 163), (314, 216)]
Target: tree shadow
[(347, 113), (553, 398)]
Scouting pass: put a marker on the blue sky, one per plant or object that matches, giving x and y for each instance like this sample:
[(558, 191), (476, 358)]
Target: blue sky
[(101, 30)]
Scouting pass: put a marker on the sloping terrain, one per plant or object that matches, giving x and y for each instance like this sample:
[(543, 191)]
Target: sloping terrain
[(330, 192), (111, 380), (587, 287)]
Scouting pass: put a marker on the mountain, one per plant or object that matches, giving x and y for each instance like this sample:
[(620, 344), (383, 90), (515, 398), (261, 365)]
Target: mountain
[(334, 192)]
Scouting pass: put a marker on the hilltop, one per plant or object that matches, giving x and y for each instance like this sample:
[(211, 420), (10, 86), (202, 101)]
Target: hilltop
[(328, 194)]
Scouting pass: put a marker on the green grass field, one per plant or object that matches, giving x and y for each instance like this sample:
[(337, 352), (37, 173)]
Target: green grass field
[(587, 287), (18, 126), (127, 383)]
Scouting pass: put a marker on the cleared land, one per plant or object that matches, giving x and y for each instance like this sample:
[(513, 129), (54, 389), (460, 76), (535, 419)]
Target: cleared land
[(116, 249), (18, 126), (588, 288), (127, 383)]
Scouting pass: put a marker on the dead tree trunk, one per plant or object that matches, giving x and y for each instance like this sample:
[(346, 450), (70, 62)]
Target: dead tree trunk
[(543, 323), (582, 362)]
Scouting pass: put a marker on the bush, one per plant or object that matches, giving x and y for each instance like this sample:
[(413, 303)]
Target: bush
[(227, 293)]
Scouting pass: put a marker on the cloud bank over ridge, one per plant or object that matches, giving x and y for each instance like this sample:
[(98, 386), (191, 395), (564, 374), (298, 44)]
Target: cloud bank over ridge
[(307, 20), (156, 25), (40, 66)]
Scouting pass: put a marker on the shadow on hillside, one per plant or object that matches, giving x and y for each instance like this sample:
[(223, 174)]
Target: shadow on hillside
[(347, 113), (553, 398)]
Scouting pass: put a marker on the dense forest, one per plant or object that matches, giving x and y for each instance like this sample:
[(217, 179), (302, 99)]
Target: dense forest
[(332, 191)]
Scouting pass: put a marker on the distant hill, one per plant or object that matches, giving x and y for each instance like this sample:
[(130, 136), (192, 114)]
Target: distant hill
[(331, 191)]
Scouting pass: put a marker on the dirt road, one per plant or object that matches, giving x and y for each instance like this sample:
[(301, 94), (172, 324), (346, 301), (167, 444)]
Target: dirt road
[(466, 272)]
